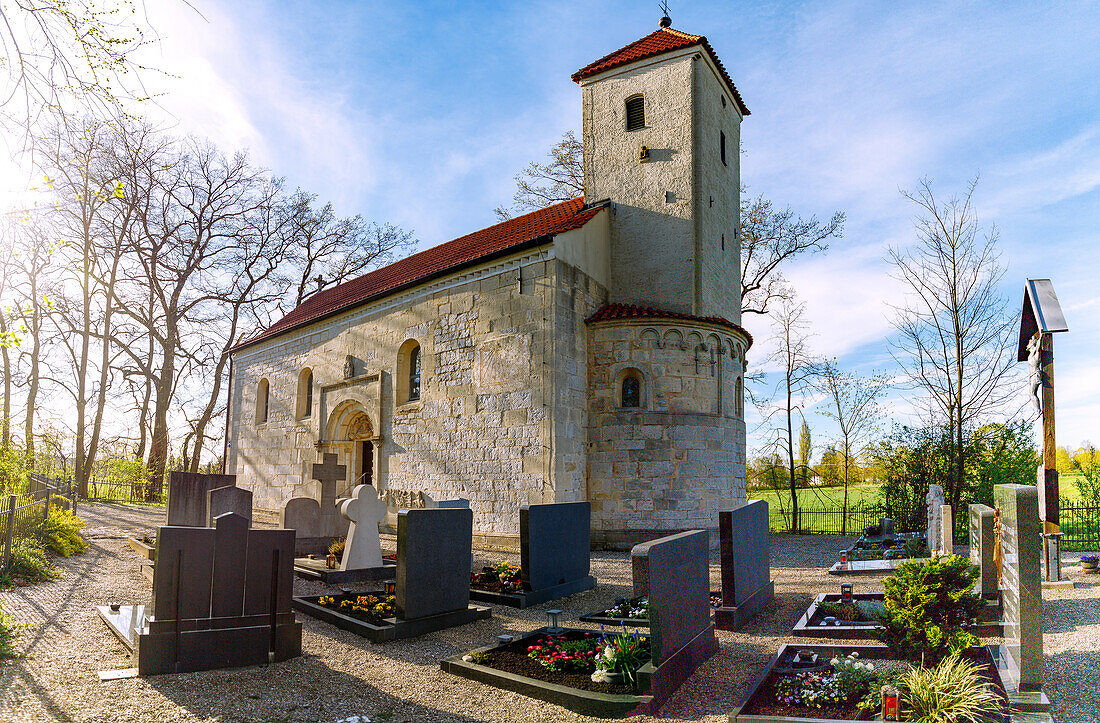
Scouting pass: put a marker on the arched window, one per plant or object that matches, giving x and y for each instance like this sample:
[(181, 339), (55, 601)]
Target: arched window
[(305, 394), (739, 398), (635, 112), (414, 373), (263, 398), (632, 391), (408, 381), (722, 145)]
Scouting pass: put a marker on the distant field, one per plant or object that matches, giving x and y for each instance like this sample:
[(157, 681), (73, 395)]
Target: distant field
[(833, 497)]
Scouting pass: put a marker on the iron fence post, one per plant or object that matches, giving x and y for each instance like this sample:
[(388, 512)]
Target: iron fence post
[(10, 532)]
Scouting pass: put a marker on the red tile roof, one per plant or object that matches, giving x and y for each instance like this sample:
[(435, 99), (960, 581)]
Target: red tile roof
[(656, 43), (531, 228), (613, 312)]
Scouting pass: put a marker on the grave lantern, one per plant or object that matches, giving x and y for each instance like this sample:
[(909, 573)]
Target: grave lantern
[(391, 587), (846, 591), (504, 639), (552, 625), (844, 556), (891, 707)]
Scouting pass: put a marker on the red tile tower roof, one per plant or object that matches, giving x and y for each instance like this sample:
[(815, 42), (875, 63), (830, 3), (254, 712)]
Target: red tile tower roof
[(614, 312), (531, 229), (656, 43)]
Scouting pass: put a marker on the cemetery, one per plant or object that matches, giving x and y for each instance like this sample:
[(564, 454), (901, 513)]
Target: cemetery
[(639, 443)]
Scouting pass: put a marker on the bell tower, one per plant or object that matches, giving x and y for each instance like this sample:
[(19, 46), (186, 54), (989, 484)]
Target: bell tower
[(661, 140)]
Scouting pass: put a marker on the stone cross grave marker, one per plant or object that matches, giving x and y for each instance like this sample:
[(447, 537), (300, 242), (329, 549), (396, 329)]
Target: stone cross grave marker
[(364, 510), (981, 548), (228, 499), (311, 519), (934, 503), (1021, 585), (947, 530)]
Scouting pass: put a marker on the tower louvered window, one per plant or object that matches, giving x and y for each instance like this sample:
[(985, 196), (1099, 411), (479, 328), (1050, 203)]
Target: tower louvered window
[(635, 113)]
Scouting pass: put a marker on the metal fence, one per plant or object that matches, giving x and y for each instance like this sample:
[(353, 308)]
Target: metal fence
[(1080, 522), (118, 491), (24, 517)]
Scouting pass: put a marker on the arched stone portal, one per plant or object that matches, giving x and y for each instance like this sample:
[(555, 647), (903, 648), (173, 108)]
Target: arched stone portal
[(350, 433)]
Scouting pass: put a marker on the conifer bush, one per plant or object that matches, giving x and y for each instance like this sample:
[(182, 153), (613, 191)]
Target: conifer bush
[(929, 607)]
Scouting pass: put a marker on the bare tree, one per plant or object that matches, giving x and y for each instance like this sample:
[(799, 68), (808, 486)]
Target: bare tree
[(544, 184), (853, 405), (58, 52), (799, 369), (954, 330), (769, 239), (328, 249)]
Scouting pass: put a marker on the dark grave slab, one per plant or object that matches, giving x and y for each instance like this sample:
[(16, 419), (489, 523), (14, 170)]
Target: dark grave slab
[(783, 661), (434, 553), (682, 635), (583, 702), (555, 555), (228, 499), (187, 496), (812, 624), (867, 567), (745, 544), (1021, 655), (981, 549), (221, 598), (315, 569)]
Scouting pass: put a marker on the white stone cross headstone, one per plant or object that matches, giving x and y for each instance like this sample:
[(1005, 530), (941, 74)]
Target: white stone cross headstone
[(364, 510), (934, 502)]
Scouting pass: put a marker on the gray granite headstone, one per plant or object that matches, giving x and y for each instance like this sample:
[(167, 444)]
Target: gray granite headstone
[(981, 547), (456, 503), (433, 561), (887, 527), (228, 499), (186, 504), (933, 503), (303, 515), (746, 547), (678, 570), (555, 546), (1021, 583), (182, 575), (227, 580)]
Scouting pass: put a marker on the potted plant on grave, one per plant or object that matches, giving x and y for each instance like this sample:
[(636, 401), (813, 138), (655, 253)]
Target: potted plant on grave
[(1089, 562), (929, 607), (619, 657)]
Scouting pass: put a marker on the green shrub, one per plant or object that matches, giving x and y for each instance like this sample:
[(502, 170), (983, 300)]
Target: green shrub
[(28, 563), (928, 608), (62, 531), (9, 629), (954, 691)]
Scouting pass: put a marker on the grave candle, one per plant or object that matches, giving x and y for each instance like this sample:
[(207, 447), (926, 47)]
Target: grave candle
[(846, 591), (891, 708)]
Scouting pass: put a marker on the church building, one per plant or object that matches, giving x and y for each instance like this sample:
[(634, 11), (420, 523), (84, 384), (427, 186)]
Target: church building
[(590, 350)]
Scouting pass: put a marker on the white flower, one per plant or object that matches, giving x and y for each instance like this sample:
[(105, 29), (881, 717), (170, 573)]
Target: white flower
[(468, 658), (601, 676), (608, 653), (834, 661)]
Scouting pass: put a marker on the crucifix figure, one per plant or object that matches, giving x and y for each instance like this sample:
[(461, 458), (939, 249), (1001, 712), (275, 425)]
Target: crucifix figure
[(1040, 319), (364, 510)]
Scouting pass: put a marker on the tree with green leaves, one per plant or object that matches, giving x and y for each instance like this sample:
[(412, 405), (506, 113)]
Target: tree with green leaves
[(853, 404)]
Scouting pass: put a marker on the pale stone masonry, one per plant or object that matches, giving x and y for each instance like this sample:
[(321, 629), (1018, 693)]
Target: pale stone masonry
[(590, 351)]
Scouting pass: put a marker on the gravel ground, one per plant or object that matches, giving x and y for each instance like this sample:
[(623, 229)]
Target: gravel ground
[(341, 675)]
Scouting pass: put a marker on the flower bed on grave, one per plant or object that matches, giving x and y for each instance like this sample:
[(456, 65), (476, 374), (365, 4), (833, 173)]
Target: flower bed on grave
[(830, 683), (930, 661), (501, 577), (372, 608), (587, 672), (633, 612)]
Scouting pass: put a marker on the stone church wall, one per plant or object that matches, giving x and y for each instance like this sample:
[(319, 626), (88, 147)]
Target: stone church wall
[(481, 428), (672, 463)]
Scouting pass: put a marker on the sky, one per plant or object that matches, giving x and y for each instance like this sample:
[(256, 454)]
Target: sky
[(420, 114)]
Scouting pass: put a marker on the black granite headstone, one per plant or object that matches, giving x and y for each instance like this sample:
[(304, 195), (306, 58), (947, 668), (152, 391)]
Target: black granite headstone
[(433, 561), (746, 546), (554, 543), (186, 504), (228, 499)]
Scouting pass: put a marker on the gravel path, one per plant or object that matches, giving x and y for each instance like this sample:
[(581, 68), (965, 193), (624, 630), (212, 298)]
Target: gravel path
[(341, 675)]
